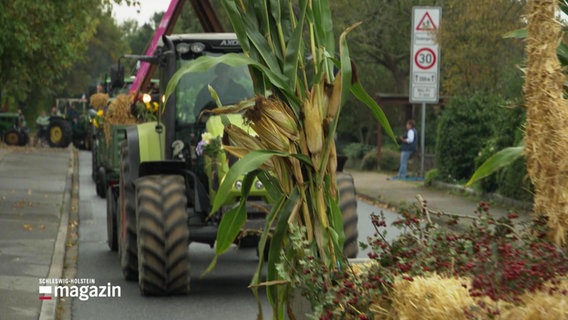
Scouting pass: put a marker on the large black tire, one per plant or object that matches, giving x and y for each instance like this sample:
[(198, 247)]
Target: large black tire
[(112, 199), (127, 246), (101, 182), (12, 137), (348, 206), (59, 133), (24, 138), (94, 165), (163, 235)]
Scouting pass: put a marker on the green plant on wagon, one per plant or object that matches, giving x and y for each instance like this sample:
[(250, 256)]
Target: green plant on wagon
[(300, 85)]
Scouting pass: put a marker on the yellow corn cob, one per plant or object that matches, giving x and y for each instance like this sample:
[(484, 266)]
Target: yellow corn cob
[(238, 137), (335, 98), (313, 124)]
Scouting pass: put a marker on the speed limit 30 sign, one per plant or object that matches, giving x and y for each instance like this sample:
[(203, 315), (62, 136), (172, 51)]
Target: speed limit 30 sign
[(425, 55)]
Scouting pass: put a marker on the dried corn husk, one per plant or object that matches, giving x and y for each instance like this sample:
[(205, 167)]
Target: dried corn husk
[(546, 137)]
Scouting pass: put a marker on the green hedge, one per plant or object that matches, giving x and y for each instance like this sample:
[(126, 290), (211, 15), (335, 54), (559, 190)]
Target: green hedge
[(463, 128)]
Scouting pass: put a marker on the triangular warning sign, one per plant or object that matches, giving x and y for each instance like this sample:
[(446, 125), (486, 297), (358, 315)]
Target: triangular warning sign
[(426, 23)]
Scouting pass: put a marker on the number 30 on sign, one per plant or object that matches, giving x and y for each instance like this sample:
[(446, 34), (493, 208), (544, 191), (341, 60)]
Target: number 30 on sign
[(425, 58)]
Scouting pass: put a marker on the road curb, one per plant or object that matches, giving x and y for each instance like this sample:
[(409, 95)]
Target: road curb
[(49, 307)]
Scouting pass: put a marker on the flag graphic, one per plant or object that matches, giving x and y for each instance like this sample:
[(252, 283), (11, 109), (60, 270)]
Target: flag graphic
[(44, 292)]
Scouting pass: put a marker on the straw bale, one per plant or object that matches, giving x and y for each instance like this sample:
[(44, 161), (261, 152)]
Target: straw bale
[(99, 100), (546, 137), (118, 113), (432, 297)]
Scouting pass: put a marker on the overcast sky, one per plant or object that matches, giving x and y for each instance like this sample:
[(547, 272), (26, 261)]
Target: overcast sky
[(147, 10)]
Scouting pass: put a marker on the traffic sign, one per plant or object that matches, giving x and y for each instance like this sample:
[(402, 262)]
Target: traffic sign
[(425, 55)]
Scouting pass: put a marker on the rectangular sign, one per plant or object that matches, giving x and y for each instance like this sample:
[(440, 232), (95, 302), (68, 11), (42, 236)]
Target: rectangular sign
[(425, 55)]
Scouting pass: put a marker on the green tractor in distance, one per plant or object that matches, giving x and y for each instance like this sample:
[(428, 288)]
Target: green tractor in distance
[(70, 123), (10, 130), (167, 182)]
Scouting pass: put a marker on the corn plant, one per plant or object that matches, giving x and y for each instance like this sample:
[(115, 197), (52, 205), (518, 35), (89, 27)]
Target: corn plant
[(301, 86)]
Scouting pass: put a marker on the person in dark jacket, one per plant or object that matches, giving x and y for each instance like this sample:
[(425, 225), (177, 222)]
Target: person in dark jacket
[(408, 145)]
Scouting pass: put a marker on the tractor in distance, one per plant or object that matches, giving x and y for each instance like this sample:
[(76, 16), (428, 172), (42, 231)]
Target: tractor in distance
[(11, 131), (69, 123)]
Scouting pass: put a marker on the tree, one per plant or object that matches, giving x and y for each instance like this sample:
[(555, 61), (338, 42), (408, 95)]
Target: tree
[(41, 40), (475, 56)]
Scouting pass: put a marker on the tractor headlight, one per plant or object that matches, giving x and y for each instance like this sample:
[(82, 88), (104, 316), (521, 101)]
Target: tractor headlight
[(146, 98), (258, 184), (238, 185), (182, 48), (197, 47)]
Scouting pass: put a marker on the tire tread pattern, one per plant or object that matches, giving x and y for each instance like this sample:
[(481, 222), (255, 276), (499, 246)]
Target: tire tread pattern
[(348, 206), (163, 235)]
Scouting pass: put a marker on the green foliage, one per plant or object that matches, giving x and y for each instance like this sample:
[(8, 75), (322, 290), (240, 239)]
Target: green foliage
[(475, 54), (356, 151), (431, 176), (370, 161), (514, 181), (463, 127), (390, 160), (39, 40)]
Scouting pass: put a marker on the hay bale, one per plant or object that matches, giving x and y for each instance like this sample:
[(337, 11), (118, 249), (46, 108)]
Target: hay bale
[(99, 100), (546, 137), (432, 298), (118, 113), (541, 305)]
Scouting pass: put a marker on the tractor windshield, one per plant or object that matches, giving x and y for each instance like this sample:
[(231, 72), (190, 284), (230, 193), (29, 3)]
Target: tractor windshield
[(232, 84)]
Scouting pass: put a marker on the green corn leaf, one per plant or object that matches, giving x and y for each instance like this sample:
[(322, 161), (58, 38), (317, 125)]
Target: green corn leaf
[(294, 50), (497, 161), (517, 34), (359, 92), (248, 163), (229, 228), (276, 242)]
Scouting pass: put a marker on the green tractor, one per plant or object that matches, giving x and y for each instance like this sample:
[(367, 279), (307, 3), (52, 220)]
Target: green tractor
[(70, 123), (170, 171), (10, 130)]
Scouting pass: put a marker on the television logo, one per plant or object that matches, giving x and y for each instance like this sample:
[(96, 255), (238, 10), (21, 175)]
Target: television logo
[(82, 290)]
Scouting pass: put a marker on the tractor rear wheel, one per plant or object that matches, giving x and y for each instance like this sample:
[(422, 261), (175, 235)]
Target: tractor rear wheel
[(127, 247), (59, 133), (163, 235), (101, 182), (24, 138), (112, 198), (12, 137), (348, 206)]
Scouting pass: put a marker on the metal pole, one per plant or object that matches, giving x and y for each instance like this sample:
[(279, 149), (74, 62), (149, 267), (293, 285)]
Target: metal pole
[(422, 138)]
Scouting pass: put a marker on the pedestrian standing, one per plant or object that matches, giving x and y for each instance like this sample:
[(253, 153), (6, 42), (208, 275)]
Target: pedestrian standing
[(408, 145)]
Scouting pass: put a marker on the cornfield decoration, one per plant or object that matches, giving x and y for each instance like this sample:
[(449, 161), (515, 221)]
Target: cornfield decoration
[(546, 135), (301, 86)]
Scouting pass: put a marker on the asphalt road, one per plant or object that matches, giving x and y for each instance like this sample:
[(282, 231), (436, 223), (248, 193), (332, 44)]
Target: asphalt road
[(222, 294), (33, 186)]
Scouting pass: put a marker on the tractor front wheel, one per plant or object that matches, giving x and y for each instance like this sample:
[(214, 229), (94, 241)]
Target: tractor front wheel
[(59, 133), (348, 206), (12, 137), (163, 235)]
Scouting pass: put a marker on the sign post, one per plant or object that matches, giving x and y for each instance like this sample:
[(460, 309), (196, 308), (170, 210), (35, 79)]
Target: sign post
[(424, 64)]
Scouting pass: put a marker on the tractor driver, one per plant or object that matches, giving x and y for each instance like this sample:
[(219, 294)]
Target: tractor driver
[(228, 90)]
